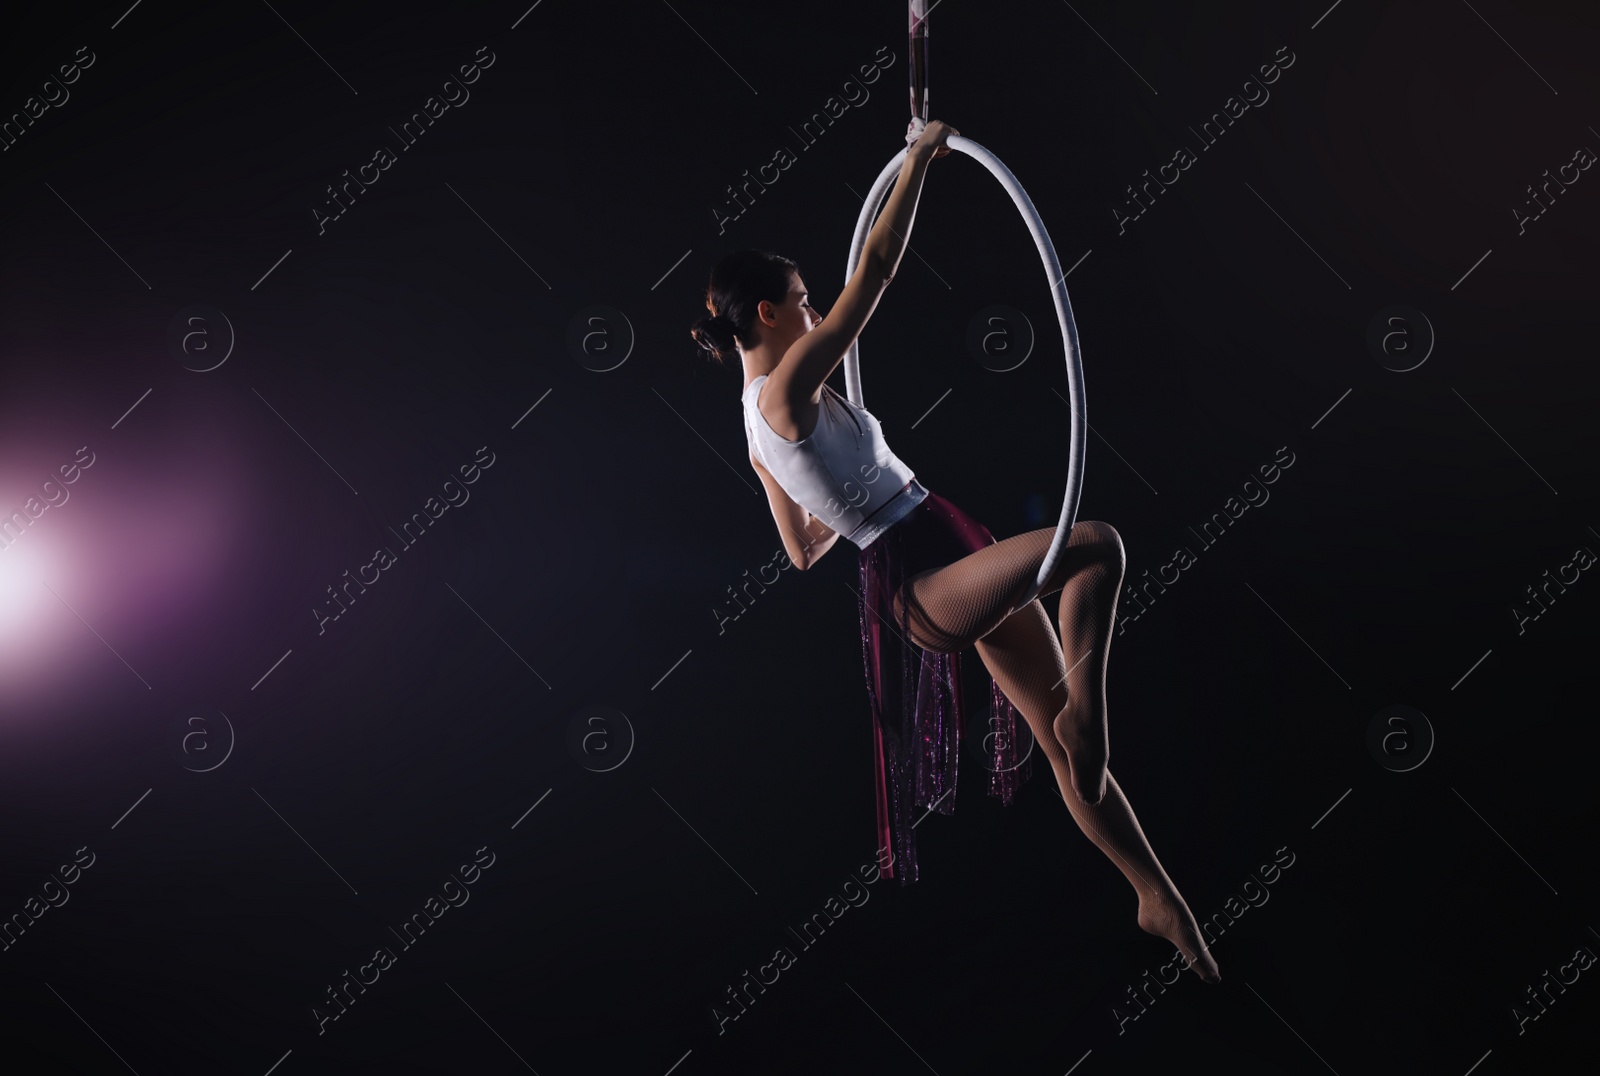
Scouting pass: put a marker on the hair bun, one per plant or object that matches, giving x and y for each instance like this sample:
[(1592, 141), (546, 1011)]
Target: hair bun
[(739, 283), (715, 333)]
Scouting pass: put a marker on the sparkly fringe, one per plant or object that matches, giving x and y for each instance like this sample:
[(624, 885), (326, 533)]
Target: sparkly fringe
[(1009, 772), (918, 716)]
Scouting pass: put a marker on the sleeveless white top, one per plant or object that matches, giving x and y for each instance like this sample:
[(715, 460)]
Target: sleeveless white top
[(844, 473)]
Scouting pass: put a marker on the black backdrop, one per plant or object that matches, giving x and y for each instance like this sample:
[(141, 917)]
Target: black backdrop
[(239, 801)]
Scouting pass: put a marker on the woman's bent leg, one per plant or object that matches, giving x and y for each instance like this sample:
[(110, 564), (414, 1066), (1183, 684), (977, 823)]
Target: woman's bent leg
[(953, 607), (1087, 613)]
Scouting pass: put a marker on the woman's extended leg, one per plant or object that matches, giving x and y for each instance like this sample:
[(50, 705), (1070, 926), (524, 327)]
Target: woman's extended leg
[(958, 604), (1025, 659)]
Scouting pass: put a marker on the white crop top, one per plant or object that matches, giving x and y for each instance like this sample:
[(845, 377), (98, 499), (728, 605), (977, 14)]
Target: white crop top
[(844, 473)]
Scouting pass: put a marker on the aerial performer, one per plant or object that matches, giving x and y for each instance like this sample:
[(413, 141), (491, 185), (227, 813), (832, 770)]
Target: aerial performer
[(933, 580)]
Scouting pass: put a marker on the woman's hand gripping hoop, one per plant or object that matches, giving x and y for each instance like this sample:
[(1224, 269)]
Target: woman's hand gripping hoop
[(1058, 292)]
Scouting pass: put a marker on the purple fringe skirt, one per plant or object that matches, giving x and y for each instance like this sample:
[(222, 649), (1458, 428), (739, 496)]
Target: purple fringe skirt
[(917, 713)]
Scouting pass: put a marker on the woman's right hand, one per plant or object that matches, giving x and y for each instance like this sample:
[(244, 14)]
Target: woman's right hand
[(934, 139)]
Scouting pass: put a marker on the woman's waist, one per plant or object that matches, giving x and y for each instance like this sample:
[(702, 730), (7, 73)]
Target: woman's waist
[(892, 514), (895, 515)]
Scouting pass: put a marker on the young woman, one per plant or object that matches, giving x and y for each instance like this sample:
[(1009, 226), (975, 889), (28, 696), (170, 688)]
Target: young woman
[(933, 580)]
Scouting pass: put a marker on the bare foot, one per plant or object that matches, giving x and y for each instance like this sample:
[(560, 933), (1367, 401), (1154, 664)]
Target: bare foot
[(1169, 917), (1084, 741)]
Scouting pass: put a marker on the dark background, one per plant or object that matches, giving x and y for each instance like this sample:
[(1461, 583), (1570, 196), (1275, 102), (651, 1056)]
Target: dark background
[(586, 570)]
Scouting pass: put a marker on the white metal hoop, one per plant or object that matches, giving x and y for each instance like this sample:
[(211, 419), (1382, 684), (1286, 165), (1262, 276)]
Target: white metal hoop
[(1058, 292)]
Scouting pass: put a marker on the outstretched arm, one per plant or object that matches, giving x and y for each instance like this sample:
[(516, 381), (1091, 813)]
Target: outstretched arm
[(813, 358), (886, 243)]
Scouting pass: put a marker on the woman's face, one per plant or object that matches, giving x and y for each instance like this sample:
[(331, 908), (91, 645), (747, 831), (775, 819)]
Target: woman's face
[(794, 317)]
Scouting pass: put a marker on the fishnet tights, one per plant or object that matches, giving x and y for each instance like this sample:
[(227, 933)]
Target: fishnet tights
[(972, 602)]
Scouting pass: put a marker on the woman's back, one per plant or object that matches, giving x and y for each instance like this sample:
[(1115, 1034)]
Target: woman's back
[(843, 472)]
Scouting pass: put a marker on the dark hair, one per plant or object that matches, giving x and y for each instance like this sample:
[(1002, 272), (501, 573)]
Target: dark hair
[(738, 283)]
